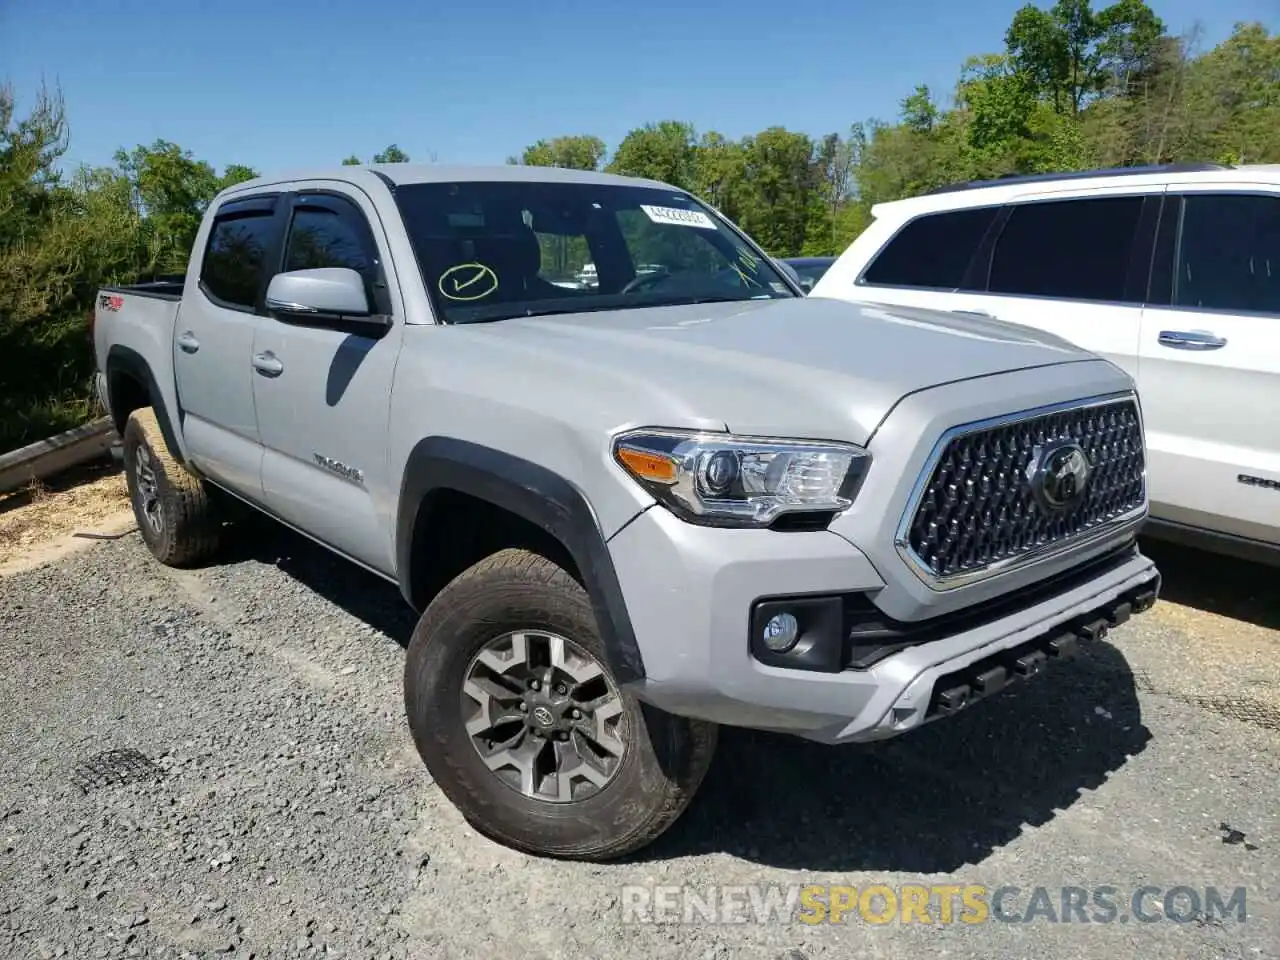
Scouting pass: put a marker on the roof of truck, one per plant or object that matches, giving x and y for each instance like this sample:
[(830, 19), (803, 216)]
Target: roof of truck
[(406, 173)]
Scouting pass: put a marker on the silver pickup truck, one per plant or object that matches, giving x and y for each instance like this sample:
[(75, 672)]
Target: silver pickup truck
[(628, 512)]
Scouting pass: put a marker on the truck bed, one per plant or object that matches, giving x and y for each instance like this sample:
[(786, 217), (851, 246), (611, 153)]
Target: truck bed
[(162, 288), (135, 325)]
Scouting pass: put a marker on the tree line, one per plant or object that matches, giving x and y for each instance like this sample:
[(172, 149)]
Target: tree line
[(1070, 87)]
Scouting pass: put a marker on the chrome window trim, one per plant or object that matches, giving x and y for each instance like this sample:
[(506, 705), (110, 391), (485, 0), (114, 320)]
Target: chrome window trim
[(1000, 567)]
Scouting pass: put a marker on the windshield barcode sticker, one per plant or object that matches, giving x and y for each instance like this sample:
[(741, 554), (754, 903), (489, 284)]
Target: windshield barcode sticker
[(681, 218)]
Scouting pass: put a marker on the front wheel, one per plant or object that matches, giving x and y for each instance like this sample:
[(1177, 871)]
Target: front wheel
[(518, 718)]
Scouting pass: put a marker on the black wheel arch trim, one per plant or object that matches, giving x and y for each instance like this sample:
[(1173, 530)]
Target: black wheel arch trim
[(536, 494), (126, 360)]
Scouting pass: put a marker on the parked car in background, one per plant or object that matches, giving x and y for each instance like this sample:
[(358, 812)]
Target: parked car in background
[(691, 489), (809, 269), (1171, 272)]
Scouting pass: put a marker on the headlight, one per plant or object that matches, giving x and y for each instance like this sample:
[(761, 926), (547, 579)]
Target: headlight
[(722, 480)]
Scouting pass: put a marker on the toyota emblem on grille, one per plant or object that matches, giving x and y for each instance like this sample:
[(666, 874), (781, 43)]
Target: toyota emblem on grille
[(1059, 475)]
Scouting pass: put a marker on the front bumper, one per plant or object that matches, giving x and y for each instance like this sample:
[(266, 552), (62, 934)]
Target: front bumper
[(690, 591)]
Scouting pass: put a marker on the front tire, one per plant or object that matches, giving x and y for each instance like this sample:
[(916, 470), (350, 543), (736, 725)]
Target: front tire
[(179, 522), (518, 718)]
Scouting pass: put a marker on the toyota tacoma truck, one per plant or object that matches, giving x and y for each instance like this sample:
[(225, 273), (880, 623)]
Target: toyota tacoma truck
[(630, 512)]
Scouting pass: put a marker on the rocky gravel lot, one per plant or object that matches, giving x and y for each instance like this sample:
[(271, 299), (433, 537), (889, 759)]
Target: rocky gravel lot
[(276, 807)]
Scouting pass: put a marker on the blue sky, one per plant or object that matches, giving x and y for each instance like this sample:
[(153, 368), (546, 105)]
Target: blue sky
[(288, 83)]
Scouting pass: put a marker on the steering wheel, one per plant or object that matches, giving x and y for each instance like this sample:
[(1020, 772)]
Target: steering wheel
[(645, 280)]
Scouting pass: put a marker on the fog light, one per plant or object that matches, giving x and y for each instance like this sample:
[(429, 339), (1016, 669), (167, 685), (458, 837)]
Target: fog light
[(781, 632)]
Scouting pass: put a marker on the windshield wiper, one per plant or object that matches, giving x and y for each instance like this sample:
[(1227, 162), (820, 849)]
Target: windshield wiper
[(606, 307), (713, 298), (541, 312)]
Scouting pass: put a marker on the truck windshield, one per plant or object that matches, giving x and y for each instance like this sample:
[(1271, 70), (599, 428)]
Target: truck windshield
[(491, 250)]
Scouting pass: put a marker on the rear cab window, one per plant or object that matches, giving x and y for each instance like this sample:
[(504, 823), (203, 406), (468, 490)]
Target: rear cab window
[(234, 264)]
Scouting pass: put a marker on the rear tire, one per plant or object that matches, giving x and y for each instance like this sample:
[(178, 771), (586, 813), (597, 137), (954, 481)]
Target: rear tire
[(178, 520), (581, 769)]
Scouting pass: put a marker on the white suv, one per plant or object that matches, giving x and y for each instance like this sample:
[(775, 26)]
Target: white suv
[(1171, 272)]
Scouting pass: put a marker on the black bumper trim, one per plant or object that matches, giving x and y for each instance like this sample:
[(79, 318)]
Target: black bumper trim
[(954, 691), (871, 635)]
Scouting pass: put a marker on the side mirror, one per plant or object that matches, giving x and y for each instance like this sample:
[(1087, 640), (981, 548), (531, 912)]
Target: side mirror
[(791, 273), (323, 297)]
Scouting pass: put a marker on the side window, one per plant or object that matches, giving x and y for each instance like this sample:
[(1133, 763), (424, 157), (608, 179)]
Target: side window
[(1069, 249), (1229, 253), (329, 232), (231, 271), (931, 251)]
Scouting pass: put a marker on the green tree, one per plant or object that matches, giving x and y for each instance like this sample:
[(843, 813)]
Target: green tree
[(171, 190), (781, 201), (392, 154), (719, 165), (29, 151), (236, 173), (919, 113), (663, 151), (578, 152), (1071, 54), (1233, 99), (999, 99), (61, 235), (352, 161)]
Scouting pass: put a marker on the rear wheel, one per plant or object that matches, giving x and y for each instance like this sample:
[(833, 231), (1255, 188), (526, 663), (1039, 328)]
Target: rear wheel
[(177, 518), (518, 717)]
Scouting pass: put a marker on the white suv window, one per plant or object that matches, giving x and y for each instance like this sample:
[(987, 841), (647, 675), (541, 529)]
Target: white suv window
[(931, 251), (1229, 254), (1076, 249)]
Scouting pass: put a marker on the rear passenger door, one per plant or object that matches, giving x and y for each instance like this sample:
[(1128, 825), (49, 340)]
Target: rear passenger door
[(1076, 267), (213, 341), (1210, 360), (323, 395)]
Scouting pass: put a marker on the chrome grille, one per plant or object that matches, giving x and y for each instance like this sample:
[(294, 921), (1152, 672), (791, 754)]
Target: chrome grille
[(977, 507)]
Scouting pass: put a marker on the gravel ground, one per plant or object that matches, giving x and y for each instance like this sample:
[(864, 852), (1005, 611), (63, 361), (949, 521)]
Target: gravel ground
[(279, 808)]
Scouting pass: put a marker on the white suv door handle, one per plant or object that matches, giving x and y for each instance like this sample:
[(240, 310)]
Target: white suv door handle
[(267, 364), (977, 313), (188, 342), (1191, 340)]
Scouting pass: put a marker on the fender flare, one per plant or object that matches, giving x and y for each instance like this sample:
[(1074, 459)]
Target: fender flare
[(122, 359), (538, 495)]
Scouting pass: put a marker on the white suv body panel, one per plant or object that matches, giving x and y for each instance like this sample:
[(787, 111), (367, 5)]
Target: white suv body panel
[(1212, 414)]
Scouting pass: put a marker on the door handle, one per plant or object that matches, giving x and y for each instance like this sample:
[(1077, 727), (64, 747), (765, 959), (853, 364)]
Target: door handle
[(1191, 340), (267, 364), (977, 313), (188, 342)]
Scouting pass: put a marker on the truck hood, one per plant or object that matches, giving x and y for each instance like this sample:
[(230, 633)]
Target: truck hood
[(806, 368)]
